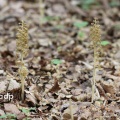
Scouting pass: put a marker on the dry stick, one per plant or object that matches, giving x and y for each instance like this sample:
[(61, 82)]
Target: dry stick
[(71, 112)]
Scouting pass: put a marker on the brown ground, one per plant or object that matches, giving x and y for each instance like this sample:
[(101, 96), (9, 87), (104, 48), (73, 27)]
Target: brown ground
[(55, 92)]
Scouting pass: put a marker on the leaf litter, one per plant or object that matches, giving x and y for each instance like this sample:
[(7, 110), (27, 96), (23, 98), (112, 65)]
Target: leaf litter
[(60, 61)]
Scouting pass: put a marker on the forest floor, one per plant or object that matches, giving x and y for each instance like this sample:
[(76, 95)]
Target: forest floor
[(60, 60)]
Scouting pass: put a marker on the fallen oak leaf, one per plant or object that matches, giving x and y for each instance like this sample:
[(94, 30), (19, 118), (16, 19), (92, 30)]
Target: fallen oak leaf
[(67, 112), (13, 85), (11, 108), (2, 112), (21, 116), (108, 87), (101, 91), (56, 87), (30, 98), (3, 86)]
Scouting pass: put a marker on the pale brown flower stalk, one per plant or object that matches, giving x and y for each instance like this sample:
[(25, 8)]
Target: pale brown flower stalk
[(21, 52), (42, 11), (95, 35)]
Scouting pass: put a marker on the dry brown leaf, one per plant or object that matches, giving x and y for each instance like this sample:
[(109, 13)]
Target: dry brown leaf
[(85, 114), (108, 87), (13, 84), (21, 116), (1, 112), (3, 3), (44, 42), (57, 10), (12, 46), (3, 86), (67, 112), (9, 107), (31, 98), (56, 87), (101, 91)]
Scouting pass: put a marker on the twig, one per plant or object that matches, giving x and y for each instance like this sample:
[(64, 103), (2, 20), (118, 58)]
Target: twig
[(71, 112)]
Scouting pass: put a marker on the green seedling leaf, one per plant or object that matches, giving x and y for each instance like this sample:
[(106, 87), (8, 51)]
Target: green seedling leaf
[(27, 118), (80, 24), (56, 61), (117, 26), (27, 111), (59, 48), (3, 116), (81, 34), (48, 19), (59, 26), (11, 115), (104, 43), (88, 2), (32, 108), (8, 115), (114, 4)]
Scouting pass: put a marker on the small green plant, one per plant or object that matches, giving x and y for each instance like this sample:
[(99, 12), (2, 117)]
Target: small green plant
[(86, 4), (114, 3), (80, 25), (105, 42), (21, 52), (9, 116), (46, 19), (27, 118), (81, 34), (95, 35), (26, 111), (56, 61)]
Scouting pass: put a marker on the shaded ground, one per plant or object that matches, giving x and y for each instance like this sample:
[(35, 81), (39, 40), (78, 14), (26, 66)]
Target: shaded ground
[(60, 60)]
